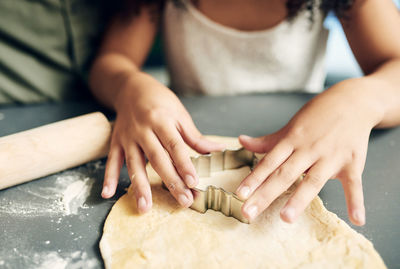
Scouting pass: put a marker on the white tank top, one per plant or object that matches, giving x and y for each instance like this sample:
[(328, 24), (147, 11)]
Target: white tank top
[(205, 57)]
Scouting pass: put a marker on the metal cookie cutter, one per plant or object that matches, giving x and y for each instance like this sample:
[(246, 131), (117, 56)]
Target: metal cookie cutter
[(217, 198)]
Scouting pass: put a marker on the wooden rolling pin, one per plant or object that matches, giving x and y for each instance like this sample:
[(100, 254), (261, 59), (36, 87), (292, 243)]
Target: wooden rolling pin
[(52, 148)]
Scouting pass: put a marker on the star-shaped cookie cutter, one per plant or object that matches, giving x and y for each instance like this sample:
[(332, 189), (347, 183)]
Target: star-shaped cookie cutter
[(215, 198)]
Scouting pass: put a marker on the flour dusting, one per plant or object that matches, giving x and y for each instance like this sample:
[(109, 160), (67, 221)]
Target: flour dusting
[(74, 260), (54, 260), (45, 224), (63, 196), (75, 195), (50, 260)]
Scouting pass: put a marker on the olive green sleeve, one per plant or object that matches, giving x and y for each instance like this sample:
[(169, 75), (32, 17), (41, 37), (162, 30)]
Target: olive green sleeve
[(46, 47)]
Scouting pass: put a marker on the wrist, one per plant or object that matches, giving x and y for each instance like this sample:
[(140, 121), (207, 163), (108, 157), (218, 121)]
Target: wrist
[(128, 90), (364, 96)]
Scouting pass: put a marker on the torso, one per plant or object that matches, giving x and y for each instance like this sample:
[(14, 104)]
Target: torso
[(218, 48)]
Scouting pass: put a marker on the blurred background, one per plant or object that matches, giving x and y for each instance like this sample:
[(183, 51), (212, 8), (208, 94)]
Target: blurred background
[(47, 47), (340, 62)]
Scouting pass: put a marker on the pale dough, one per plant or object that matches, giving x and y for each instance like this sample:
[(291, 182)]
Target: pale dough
[(171, 237)]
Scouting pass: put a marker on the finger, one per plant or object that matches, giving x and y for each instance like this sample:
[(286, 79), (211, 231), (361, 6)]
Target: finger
[(352, 185), (178, 151), (257, 144), (269, 163), (196, 140), (114, 163), (308, 188), (136, 165), (162, 164), (279, 181)]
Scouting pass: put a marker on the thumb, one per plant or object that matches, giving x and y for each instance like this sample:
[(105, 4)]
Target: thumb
[(197, 141), (260, 144)]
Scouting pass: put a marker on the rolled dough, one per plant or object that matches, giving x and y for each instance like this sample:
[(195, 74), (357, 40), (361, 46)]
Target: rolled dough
[(171, 237)]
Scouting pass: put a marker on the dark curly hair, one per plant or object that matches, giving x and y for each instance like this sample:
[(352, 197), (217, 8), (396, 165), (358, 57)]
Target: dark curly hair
[(339, 7)]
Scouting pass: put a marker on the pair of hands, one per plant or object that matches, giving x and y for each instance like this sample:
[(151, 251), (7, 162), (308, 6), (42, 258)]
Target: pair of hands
[(327, 138)]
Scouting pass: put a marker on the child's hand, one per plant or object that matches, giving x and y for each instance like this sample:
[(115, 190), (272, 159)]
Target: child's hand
[(152, 121), (326, 139)]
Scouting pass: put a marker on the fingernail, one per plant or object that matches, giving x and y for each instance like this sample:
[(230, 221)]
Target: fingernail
[(252, 211), (289, 213), (183, 200), (141, 204), (359, 216), (104, 191), (245, 136), (244, 192), (190, 181)]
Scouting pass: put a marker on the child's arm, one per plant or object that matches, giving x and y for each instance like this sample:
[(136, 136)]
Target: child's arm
[(328, 137), (150, 118)]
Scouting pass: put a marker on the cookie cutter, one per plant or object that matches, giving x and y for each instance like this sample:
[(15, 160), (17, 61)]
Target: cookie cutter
[(215, 198)]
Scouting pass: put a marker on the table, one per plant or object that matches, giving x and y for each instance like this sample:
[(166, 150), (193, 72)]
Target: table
[(37, 232)]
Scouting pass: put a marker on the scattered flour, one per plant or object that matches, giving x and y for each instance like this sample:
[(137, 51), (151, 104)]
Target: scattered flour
[(50, 260), (75, 260), (54, 199), (75, 195), (54, 260), (63, 196)]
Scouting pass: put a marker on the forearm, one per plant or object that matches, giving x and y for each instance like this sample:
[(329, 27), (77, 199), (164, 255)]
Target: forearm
[(377, 95), (124, 50), (386, 81), (109, 75)]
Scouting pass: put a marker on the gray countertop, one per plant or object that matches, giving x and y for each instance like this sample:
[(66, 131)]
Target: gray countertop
[(41, 227)]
